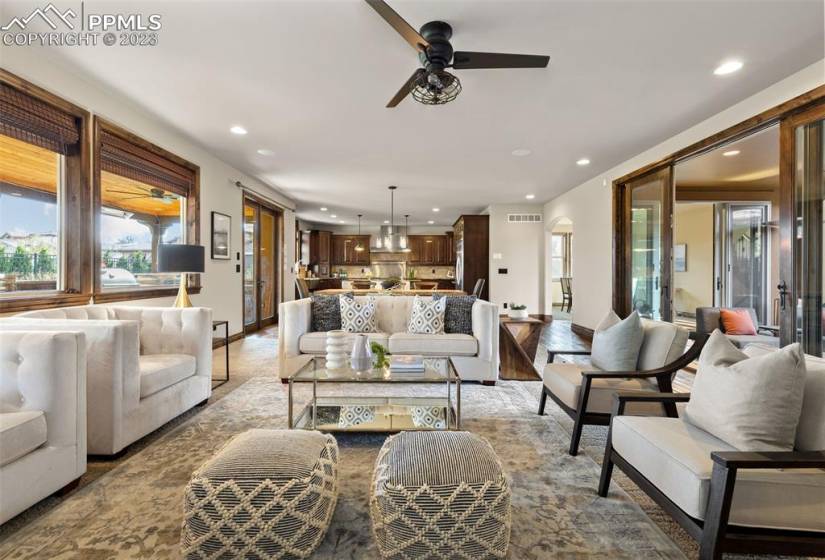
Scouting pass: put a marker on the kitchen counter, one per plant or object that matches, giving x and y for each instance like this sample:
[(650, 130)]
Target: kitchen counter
[(393, 292)]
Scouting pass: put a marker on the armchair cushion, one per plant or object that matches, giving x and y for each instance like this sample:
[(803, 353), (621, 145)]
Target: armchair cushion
[(433, 344), (616, 342), (744, 340), (675, 456), (753, 404), (662, 344), (20, 433), (565, 381), (159, 371)]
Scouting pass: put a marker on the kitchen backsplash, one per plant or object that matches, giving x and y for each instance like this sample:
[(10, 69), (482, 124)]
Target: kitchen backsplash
[(422, 272)]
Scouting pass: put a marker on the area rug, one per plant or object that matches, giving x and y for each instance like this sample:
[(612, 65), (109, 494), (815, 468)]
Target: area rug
[(134, 511)]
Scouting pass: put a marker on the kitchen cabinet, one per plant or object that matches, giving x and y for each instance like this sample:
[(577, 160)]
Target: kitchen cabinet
[(320, 243), (430, 250), (344, 253), (450, 249), (472, 237)]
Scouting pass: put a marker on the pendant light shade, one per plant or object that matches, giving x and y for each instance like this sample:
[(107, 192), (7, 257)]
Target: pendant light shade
[(405, 239), (359, 247)]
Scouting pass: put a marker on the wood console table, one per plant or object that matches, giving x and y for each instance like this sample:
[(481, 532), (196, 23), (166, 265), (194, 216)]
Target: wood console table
[(518, 342)]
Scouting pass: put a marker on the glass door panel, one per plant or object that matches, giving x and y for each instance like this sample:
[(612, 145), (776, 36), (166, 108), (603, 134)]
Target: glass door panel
[(747, 262), (250, 242), (268, 263), (649, 245), (809, 194)]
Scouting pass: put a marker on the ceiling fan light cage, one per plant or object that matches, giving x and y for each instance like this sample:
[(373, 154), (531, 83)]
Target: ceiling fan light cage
[(436, 88)]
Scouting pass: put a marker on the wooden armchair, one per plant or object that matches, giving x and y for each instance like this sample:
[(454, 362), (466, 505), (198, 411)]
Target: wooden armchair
[(586, 394), (710, 490)]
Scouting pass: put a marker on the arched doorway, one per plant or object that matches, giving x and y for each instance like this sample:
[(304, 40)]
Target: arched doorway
[(559, 268)]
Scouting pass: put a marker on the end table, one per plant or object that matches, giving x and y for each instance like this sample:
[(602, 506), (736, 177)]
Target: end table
[(215, 325)]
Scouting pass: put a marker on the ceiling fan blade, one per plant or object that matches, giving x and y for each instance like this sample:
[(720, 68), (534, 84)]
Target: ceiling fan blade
[(465, 60), (404, 29), (406, 88)]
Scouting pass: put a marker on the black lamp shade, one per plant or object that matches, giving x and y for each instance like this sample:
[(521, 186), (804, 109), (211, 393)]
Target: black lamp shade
[(174, 257)]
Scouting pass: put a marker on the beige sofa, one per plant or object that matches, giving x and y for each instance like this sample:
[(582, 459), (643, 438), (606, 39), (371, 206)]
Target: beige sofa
[(475, 356)]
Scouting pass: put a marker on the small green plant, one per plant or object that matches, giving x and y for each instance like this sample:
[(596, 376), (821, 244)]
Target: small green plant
[(517, 306), (379, 355)]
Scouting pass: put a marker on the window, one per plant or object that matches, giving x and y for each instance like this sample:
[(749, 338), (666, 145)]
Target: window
[(560, 255), (146, 197), (43, 198)]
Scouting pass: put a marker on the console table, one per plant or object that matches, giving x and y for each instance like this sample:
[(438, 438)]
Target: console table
[(215, 325)]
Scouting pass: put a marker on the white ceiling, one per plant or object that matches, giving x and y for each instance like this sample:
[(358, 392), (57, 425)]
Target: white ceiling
[(756, 164), (310, 80)]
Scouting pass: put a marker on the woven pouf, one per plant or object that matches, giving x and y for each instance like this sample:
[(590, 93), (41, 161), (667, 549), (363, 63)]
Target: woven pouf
[(439, 495), (266, 494)]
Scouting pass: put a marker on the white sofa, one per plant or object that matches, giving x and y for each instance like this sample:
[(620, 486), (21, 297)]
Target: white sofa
[(475, 356), (146, 365), (42, 416), (716, 490)]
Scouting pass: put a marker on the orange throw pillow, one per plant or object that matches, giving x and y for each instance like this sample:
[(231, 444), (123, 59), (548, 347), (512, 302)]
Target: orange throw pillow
[(737, 321)]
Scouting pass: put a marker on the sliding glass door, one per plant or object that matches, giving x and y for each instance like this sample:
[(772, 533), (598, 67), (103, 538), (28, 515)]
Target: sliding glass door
[(261, 274), (746, 258), (649, 241), (803, 312)]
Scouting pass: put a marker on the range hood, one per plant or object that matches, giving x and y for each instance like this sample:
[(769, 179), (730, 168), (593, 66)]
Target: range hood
[(389, 240)]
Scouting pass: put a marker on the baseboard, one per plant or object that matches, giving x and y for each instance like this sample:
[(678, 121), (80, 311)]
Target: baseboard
[(542, 317), (582, 331), (218, 342)]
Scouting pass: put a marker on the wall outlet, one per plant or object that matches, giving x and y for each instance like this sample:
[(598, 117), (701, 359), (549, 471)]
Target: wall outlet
[(505, 305), (237, 268), (502, 271)]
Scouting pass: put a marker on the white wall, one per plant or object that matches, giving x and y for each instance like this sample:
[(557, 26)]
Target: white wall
[(589, 205), (222, 287), (518, 248)]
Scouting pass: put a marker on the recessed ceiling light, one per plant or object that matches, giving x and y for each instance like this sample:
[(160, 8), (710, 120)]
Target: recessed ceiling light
[(238, 130), (333, 216), (529, 196), (386, 221), (583, 161), (265, 152), (728, 67), (323, 208), (341, 222), (436, 209), (431, 222), (16, 194), (521, 152), (730, 153)]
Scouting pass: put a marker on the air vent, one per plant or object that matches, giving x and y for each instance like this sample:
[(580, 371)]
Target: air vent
[(524, 218)]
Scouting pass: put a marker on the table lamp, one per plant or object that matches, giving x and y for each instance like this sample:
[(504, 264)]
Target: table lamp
[(185, 259)]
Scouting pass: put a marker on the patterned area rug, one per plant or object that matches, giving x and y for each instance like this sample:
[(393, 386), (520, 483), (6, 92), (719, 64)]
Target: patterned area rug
[(134, 511)]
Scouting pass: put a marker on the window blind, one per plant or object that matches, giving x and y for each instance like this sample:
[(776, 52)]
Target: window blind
[(127, 159), (34, 121)]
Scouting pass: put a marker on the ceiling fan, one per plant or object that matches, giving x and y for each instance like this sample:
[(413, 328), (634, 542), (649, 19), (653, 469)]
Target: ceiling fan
[(432, 84), (153, 193)]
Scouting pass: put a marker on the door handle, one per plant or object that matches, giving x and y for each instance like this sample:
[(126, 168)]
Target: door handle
[(783, 294)]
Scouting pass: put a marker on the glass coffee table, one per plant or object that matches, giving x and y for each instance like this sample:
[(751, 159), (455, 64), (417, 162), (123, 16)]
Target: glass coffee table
[(376, 406)]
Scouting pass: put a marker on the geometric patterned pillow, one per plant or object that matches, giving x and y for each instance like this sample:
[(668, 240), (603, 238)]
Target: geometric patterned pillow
[(427, 316), (357, 317)]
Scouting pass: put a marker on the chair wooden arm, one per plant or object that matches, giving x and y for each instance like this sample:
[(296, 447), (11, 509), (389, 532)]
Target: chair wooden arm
[(770, 459), (551, 354), (621, 399)]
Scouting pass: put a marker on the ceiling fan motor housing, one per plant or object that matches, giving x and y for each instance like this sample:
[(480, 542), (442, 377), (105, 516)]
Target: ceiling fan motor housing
[(439, 54)]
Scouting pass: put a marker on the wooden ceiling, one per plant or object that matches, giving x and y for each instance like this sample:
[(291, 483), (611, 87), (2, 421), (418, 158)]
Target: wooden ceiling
[(30, 166), (27, 165)]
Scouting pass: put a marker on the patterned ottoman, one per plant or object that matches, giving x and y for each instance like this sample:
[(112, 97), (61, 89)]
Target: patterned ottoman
[(266, 494), (439, 495)]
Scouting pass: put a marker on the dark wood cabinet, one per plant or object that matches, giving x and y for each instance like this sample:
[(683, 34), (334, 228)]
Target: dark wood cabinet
[(319, 251), (430, 250), (450, 249), (344, 253), (472, 245), (414, 244)]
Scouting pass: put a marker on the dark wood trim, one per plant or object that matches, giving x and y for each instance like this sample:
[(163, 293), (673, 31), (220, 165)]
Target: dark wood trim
[(726, 193), (749, 126), (77, 231), (219, 342), (278, 274), (582, 331), (193, 230)]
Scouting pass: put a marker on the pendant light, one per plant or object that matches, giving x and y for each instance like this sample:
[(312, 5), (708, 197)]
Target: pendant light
[(358, 246), (389, 241), (405, 240)]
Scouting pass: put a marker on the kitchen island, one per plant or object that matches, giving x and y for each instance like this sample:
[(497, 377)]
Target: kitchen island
[(401, 292)]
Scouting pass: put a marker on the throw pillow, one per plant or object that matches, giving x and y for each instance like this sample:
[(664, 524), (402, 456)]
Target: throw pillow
[(357, 316), (427, 316), (754, 403), (458, 316), (326, 313), (737, 321), (616, 343)]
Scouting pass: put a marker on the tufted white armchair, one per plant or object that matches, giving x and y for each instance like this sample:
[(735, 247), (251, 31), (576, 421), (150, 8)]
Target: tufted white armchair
[(42, 415), (146, 365)]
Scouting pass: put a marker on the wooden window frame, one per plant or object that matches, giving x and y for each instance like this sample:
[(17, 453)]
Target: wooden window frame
[(100, 127), (77, 234), (773, 116)]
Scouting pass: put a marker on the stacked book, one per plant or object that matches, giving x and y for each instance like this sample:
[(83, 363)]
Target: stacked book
[(407, 364)]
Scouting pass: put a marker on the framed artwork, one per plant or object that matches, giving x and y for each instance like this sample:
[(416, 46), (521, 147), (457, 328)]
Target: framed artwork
[(680, 257), (221, 236)]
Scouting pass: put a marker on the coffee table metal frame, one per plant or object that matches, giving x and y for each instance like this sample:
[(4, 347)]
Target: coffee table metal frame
[(315, 372)]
